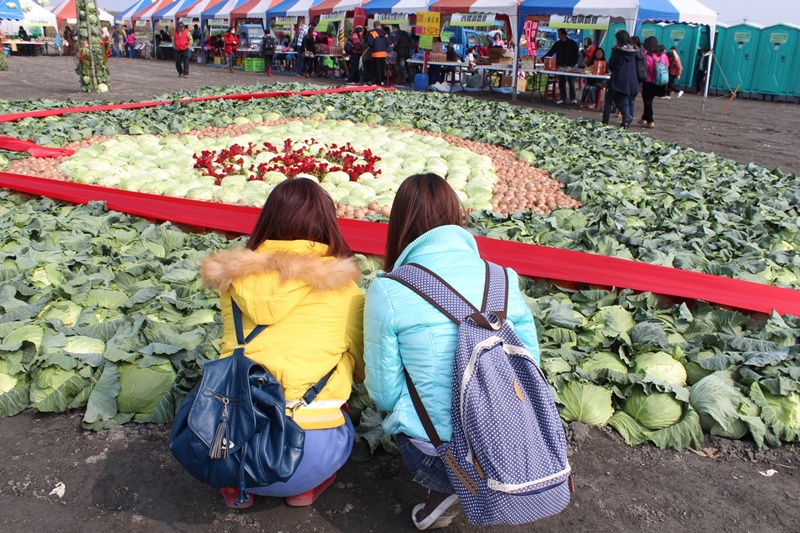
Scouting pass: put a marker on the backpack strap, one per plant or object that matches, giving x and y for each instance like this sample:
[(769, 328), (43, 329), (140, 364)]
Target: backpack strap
[(312, 392), (241, 340)]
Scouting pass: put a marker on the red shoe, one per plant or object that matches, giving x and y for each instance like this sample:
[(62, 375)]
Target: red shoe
[(307, 498), (231, 495)]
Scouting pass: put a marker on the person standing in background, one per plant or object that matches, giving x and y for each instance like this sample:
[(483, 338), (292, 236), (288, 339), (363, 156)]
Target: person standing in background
[(231, 42), (623, 85), (298, 47), (566, 52), (402, 47), (702, 70), (675, 71), (182, 41), (130, 44), (116, 41), (379, 44), (353, 48), (650, 90)]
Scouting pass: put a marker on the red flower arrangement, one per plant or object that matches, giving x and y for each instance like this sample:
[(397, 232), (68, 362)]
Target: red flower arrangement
[(289, 160)]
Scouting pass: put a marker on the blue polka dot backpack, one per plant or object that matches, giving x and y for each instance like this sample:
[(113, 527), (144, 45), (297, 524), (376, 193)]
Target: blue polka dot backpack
[(508, 457)]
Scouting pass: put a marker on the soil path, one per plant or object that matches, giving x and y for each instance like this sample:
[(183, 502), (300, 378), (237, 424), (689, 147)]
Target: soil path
[(126, 480)]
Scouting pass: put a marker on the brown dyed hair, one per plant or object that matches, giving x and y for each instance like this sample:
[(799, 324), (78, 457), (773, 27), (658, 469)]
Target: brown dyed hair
[(299, 209), (423, 202)]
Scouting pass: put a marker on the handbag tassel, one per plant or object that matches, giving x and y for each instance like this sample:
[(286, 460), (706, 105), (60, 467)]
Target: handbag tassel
[(219, 444)]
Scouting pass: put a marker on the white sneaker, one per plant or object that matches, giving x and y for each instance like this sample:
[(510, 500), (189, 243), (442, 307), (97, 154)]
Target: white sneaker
[(666, 97), (680, 93), (574, 102), (559, 102)]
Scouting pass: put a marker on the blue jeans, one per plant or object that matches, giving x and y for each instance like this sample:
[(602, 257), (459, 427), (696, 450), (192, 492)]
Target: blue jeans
[(428, 470), (325, 451), (623, 102)]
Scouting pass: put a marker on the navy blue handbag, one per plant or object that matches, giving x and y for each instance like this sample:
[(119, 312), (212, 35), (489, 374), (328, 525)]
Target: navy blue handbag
[(233, 430)]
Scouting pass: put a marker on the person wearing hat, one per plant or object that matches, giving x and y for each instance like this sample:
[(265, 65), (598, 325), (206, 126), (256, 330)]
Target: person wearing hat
[(353, 47), (379, 43), (182, 41)]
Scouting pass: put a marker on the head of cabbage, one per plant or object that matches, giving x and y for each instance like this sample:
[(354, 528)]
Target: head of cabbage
[(657, 410), (661, 365), (586, 403)]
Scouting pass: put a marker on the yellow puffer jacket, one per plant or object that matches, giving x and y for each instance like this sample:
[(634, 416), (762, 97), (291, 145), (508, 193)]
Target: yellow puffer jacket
[(314, 312)]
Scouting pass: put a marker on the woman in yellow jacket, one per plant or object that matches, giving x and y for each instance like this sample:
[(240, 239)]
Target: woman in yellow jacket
[(298, 277)]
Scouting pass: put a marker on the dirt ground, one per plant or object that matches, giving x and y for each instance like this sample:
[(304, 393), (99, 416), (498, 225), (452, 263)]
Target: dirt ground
[(125, 479)]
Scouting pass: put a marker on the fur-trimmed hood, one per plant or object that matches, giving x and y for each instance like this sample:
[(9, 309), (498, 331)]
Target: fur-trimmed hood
[(271, 281)]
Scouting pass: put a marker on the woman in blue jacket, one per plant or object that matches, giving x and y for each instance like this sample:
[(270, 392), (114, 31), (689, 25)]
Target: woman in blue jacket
[(624, 84), (401, 330)]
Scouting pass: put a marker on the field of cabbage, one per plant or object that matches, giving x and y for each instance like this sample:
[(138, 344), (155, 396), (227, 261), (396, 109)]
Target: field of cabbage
[(104, 310)]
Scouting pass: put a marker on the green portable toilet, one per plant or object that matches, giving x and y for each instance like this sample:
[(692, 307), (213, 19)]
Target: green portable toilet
[(776, 53), (654, 29), (610, 38), (686, 40), (738, 52), (794, 80), (719, 36)]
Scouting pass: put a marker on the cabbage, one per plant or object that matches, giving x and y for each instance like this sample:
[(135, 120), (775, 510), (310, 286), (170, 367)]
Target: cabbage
[(205, 194), (142, 389), (660, 365), (657, 410), (586, 403), (602, 361), (780, 413), (66, 311), (80, 345), (53, 388)]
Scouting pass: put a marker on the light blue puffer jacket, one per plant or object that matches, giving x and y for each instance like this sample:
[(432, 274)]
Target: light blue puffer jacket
[(401, 329)]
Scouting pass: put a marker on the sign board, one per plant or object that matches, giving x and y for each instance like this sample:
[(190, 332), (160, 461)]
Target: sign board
[(391, 18), (531, 28), (430, 23), (741, 37), (322, 25), (141, 23), (426, 42), (445, 37), (579, 22), (649, 32), (778, 38), (277, 21), (677, 35), (472, 19), (218, 23), (187, 21), (333, 17)]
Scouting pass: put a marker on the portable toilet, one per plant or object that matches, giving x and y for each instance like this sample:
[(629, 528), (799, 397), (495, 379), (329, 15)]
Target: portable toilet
[(610, 38), (686, 40), (737, 58), (794, 80), (653, 29), (776, 55), (719, 36)]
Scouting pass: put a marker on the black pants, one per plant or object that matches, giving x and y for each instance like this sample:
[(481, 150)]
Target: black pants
[(182, 62), (649, 92), (671, 85), (379, 69), (701, 81), (352, 74)]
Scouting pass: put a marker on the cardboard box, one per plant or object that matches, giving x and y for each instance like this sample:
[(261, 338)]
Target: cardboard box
[(499, 55), (522, 83), (217, 60)]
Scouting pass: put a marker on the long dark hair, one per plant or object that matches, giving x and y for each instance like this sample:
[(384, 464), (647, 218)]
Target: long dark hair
[(651, 44), (423, 202), (623, 38), (299, 209)]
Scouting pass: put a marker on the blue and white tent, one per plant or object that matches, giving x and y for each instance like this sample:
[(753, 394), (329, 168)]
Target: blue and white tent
[(169, 12), (395, 6), (11, 11), (292, 8), (127, 13), (634, 12), (221, 10)]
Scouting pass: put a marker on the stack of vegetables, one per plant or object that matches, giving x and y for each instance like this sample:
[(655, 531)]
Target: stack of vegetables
[(655, 369), (92, 68)]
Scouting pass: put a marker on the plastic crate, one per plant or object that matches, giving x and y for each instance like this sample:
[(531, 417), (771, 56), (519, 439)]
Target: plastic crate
[(254, 64)]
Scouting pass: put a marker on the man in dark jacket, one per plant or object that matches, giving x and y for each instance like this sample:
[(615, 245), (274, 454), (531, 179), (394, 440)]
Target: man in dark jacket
[(402, 46), (379, 43), (566, 52), (624, 83)]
